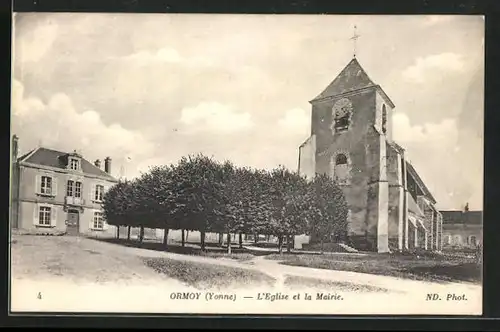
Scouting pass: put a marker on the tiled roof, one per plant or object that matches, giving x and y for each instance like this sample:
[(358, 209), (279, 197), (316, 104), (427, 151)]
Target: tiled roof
[(412, 171), (420, 182), (352, 77), (53, 158), (25, 155), (459, 217), (413, 207)]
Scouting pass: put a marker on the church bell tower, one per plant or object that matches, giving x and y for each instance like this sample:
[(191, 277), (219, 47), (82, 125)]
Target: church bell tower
[(350, 129)]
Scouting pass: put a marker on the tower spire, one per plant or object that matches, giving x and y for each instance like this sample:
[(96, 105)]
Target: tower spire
[(354, 38)]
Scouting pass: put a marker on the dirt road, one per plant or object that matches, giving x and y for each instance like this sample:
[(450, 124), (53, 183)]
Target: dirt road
[(58, 264)]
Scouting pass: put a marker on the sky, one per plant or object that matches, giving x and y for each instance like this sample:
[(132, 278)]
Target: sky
[(147, 89)]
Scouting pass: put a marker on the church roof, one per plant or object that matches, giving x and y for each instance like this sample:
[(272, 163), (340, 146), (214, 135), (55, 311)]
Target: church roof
[(420, 182), (353, 77), (53, 158), (413, 207), (398, 148)]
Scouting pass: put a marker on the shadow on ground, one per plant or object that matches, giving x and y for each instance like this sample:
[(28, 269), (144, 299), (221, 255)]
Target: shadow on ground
[(211, 249)]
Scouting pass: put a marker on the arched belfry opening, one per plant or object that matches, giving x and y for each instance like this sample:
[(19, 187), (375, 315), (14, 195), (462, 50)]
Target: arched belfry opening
[(384, 119)]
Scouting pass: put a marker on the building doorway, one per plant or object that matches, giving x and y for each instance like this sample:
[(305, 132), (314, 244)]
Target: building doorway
[(72, 222)]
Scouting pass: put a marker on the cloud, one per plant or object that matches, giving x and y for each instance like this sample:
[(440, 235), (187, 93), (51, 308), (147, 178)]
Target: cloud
[(68, 130), (444, 133), (447, 163), (424, 67), (35, 44), (296, 120), (165, 55), (215, 118)]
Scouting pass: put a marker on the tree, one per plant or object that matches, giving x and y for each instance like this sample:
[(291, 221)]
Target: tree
[(288, 196), (198, 191), (139, 204), (161, 198), (328, 210), (201, 194), (116, 204), (239, 204)]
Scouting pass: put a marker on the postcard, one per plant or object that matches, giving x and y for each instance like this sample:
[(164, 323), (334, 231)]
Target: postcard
[(246, 164)]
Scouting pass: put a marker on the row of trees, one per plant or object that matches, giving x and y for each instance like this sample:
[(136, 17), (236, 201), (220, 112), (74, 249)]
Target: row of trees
[(201, 194)]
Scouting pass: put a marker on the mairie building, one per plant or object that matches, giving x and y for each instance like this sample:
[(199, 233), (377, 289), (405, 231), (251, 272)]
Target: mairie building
[(56, 192)]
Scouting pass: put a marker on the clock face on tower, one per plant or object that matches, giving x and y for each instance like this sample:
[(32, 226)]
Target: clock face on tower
[(341, 114), (342, 108)]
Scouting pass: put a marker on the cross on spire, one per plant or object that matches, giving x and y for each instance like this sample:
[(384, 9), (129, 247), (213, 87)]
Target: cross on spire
[(354, 38)]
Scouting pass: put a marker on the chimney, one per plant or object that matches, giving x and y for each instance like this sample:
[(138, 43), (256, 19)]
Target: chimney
[(107, 165), (97, 163), (15, 148)]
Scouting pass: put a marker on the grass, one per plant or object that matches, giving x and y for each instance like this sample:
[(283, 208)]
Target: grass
[(295, 282), (241, 257), (208, 276), (327, 247), (432, 267)]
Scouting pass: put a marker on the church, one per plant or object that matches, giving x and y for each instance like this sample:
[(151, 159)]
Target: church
[(390, 207)]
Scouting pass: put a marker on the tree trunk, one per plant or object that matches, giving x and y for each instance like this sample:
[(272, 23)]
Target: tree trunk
[(280, 244), (221, 238), (187, 235), (141, 234), (241, 241), (118, 232), (289, 243), (268, 238), (165, 237), (182, 236), (229, 243), (234, 237), (256, 238), (321, 246), (128, 234), (202, 241)]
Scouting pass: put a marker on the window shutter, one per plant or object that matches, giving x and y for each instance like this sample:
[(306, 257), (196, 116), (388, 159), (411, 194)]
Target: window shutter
[(53, 216), (38, 183), (92, 192), (36, 211), (54, 186), (106, 189), (91, 223)]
